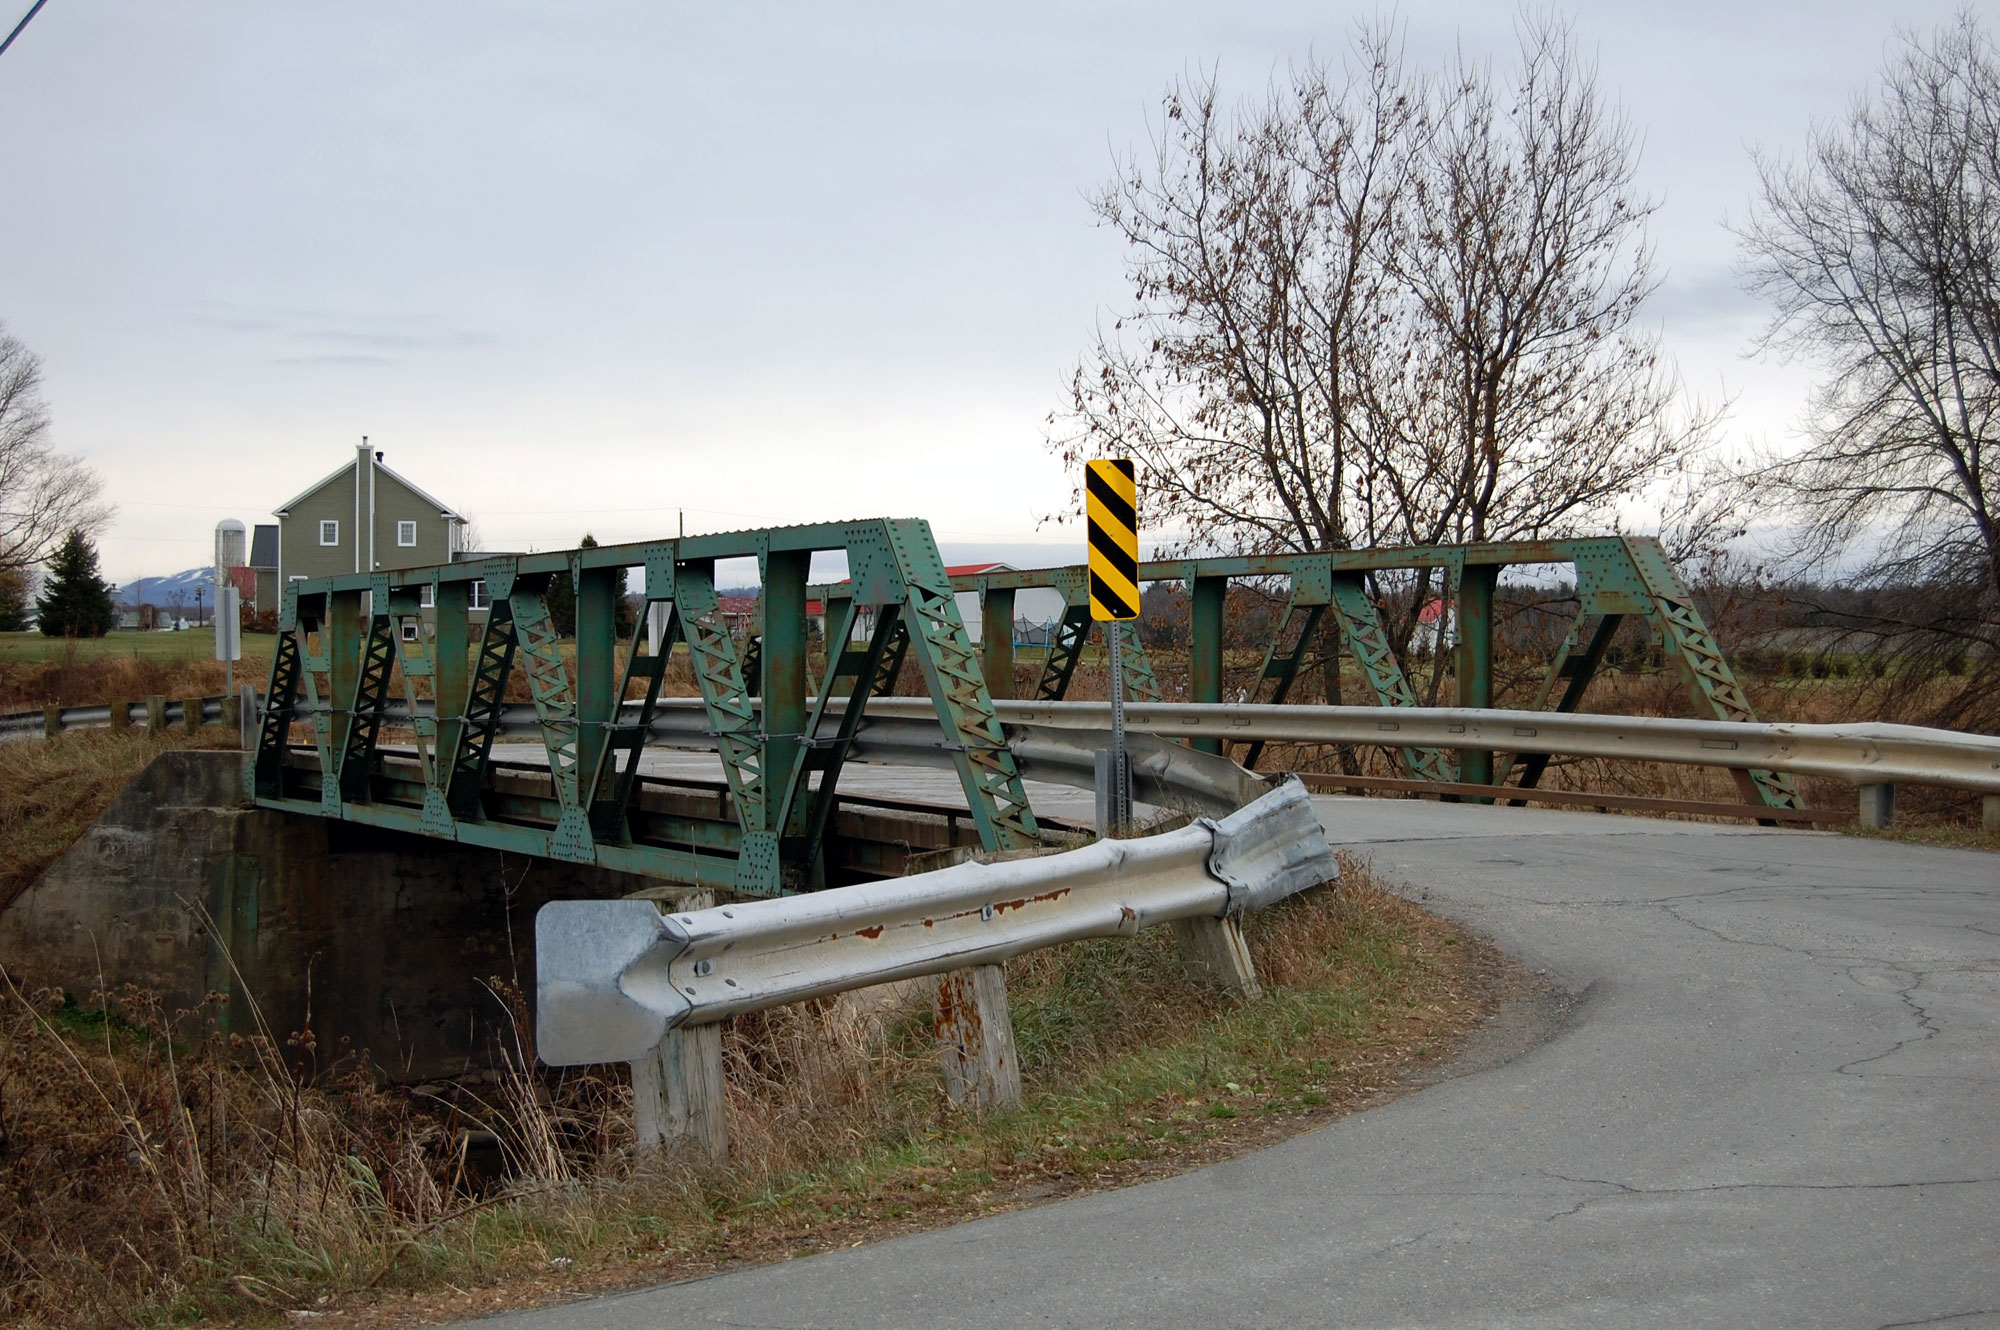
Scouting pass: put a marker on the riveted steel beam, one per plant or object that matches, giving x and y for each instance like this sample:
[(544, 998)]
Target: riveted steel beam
[(781, 770)]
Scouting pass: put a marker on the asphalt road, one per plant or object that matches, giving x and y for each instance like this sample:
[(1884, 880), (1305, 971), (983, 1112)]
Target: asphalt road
[(1771, 1104)]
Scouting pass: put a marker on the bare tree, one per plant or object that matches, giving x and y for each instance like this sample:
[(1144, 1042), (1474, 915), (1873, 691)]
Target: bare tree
[(1237, 379), (1878, 252), (1877, 249), (1522, 400), (43, 494), (1380, 307)]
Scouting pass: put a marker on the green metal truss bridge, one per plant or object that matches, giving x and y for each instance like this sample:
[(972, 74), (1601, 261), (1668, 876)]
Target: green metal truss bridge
[(347, 642)]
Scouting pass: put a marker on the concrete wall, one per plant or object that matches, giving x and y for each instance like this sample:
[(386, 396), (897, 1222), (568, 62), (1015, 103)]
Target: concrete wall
[(372, 940)]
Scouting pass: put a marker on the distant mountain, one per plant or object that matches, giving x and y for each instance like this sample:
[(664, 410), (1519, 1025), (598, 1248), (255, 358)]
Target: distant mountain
[(162, 591)]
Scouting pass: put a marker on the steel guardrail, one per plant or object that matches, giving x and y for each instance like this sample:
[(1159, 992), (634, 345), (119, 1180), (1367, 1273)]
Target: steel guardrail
[(34, 724), (614, 976), (1860, 754)]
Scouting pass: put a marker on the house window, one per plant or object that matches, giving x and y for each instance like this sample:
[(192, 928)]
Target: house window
[(427, 597), (409, 630), (406, 534), (479, 600), (329, 531)]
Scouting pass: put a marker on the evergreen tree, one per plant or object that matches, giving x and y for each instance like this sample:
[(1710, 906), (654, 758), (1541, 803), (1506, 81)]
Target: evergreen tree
[(13, 601), (78, 601), (562, 600)]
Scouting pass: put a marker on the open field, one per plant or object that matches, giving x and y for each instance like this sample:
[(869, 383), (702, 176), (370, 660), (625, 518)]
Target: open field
[(196, 644), (36, 671)]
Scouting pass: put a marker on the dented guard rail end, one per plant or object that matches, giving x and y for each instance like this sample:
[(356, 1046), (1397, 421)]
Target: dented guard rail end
[(614, 976)]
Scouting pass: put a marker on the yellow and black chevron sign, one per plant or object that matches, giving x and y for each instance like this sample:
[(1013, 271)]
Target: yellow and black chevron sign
[(1111, 500)]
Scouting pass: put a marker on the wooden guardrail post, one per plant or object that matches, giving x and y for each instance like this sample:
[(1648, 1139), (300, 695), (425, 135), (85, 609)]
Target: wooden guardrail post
[(191, 714), (246, 716), (1989, 814), (156, 714), (51, 722), (1214, 950), (678, 1095), (976, 1039), (1878, 806), (121, 715)]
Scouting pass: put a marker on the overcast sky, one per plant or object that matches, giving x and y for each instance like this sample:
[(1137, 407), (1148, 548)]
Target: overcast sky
[(579, 266)]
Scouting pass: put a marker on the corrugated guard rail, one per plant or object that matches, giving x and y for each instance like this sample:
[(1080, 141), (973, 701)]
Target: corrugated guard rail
[(647, 982), (1859, 754), (138, 713), (615, 975)]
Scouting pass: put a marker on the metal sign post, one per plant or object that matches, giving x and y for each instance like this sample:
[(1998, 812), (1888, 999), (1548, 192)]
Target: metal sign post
[(231, 552), (1111, 504), (228, 635)]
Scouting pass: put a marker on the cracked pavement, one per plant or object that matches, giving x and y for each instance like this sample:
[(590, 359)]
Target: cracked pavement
[(1771, 1104)]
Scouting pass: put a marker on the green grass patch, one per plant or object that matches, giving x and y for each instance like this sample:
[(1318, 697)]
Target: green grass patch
[(195, 644)]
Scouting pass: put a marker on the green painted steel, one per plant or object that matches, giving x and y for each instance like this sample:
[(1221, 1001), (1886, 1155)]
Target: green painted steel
[(891, 667), (617, 772), (487, 695), (1361, 629), (996, 641), (1064, 650), (1474, 662), (957, 683), (1616, 576), (1573, 668), (344, 640), (850, 677), (1073, 634), (1671, 613), (1206, 598), (1141, 684)]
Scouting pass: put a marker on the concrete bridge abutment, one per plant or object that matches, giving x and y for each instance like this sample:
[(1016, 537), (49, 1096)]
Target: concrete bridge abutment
[(345, 937)]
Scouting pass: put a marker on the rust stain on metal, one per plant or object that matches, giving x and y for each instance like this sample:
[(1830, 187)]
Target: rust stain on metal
[(872, 931), (1023, 902)]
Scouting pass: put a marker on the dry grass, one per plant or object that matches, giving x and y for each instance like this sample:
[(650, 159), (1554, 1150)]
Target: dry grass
[(52, 790), (142, 1181), (36, 671), (1938, 815)]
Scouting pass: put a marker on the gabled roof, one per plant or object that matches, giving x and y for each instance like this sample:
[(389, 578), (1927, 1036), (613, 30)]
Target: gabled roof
[(444, 510), (975, 569), (264, 546)]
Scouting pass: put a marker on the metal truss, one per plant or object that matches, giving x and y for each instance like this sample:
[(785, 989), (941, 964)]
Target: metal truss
[(783, 736), (1617, 577)]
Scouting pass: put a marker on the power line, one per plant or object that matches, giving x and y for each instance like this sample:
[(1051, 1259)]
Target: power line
[(33, 10)]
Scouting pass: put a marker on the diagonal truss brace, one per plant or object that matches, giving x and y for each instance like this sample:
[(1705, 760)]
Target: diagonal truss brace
[(555, 708), (718, 672), (985, 764), (1361, 627)]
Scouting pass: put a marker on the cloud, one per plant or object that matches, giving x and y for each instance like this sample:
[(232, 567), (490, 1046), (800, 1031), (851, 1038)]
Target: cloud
[(330, 337), (1706, 303), (353, 360)]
